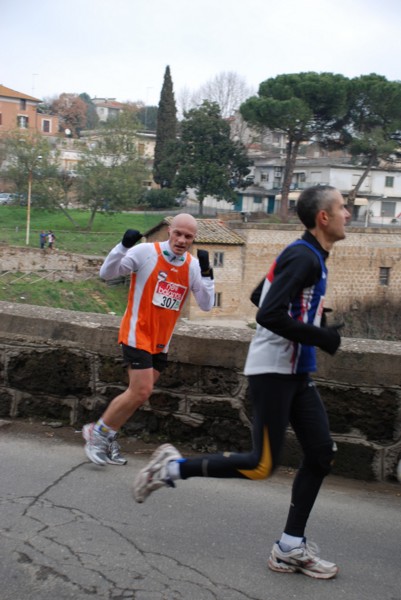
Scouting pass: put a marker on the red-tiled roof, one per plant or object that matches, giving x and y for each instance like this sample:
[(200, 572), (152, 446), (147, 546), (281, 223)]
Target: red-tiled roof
[(111, 104), (210, 231), (9, 93)]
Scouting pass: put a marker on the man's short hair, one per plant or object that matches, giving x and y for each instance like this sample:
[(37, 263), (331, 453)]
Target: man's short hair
[(311, 200)]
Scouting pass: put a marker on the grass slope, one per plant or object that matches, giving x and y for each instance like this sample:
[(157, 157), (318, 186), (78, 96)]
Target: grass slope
[(91, 295)]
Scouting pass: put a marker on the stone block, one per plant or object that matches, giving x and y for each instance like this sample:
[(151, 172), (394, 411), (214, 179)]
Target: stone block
[(162, 401), (180, 376), (6, 400), (57, 372), (220, 382), (111, 370), (356, 461), (44, 407), (372, 412), (352, 459)]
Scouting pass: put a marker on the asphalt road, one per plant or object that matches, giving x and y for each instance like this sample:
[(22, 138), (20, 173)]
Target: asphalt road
[(70, 529)]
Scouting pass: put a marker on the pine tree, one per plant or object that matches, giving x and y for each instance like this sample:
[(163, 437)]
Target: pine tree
[(166, 130)]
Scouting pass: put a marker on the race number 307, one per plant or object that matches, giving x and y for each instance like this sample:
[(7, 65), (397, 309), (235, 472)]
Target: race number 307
[(169, 295)]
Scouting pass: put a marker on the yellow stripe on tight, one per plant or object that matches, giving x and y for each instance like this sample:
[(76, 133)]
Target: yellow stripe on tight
[(264, 467)]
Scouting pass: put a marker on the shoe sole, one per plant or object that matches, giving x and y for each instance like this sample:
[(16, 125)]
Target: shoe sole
[(143, 475), (121, 463)]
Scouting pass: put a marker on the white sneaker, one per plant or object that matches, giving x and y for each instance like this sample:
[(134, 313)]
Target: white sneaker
[(399, 471), (113, 456), (155, 475), (97, 445), (303, 559)]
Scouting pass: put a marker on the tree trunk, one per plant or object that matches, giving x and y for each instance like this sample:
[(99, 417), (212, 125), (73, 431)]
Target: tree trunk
[(92, 218), (69, 217), (291, 157), (352, 193)]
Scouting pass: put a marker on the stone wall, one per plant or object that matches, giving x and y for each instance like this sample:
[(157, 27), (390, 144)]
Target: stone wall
[(64, 365), (354, 263), (16, 259)]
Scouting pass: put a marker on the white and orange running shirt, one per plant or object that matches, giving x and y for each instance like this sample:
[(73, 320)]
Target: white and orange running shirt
[(160, 285)]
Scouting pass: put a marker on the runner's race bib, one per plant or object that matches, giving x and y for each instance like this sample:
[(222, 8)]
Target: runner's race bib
[(169, 295)]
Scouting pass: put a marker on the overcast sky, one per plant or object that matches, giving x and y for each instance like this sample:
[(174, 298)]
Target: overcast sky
[(120, 48)]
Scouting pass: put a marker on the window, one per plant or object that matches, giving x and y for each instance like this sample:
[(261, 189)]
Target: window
[(22, 104), (316, 177), (22, 122), (218, 259), (217, 300), (264, 176), (46, 126), (384, 275), (388, 208), (141, 149), (389, 182)]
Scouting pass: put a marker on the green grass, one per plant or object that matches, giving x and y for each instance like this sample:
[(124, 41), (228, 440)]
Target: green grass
[(108, 228), (91, 295)]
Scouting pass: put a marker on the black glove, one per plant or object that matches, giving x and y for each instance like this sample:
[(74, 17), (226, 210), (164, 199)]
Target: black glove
[(206, 270), (333, 340), (130, 238)]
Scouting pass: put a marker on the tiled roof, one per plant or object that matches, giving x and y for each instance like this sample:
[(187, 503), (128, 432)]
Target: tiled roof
[(111, 104), (210, 231), (9, 93)]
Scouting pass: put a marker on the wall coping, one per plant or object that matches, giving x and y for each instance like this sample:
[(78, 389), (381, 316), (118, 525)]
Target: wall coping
[(359, 361)]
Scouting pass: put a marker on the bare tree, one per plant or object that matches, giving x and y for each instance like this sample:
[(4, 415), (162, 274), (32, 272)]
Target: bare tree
[(227, 89), (185, 101)]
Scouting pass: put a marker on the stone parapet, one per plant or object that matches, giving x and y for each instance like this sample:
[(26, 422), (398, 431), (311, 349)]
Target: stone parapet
[(65, 365)]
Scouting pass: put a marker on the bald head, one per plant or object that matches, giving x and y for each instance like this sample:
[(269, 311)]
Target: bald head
[(184, 220), (182, 232)]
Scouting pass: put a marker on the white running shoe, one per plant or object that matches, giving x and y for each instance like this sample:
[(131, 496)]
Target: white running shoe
[(303, 559), (97, 445), (155, 475), (399, 471), (113, 456)]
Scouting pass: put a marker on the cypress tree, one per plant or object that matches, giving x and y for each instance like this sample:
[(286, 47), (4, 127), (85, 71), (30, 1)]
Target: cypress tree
[(166, 131)]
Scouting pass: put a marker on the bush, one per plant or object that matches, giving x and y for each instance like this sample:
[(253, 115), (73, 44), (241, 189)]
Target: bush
[(161, 198)]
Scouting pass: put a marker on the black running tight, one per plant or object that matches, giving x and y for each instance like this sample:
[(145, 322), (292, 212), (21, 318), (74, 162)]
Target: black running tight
[(277, 401)]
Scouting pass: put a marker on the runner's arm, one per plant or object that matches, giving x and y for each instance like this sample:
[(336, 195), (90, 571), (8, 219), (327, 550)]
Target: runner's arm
[(201, 287), (122, 261)]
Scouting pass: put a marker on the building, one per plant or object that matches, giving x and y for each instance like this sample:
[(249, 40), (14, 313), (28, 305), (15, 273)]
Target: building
[(19, 110), (366, 266), (108, 108), (378, 201)]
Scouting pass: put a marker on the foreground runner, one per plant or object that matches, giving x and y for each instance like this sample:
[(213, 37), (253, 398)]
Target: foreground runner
[(280, 358)]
